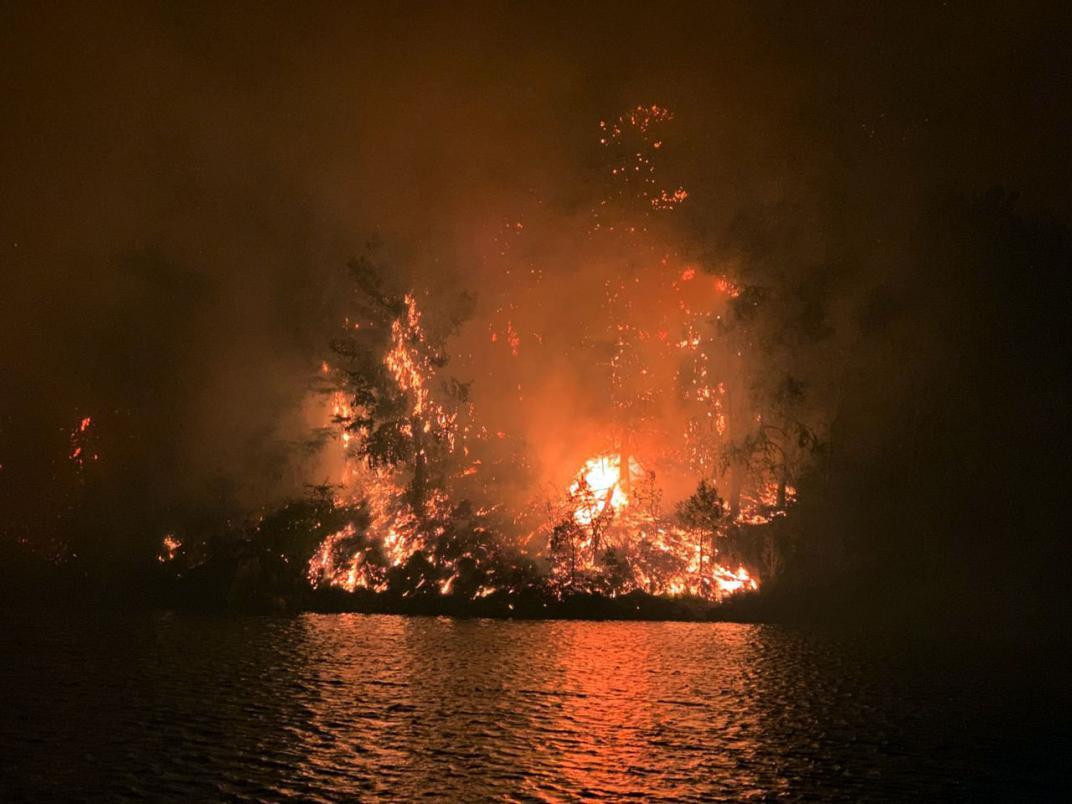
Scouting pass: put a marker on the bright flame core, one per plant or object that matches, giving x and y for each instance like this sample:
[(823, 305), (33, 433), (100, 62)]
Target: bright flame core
[(600, 484)]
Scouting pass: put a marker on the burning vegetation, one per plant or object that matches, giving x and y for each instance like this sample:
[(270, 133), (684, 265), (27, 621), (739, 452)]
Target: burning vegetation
[(673, 349), (645, 438), (788, 321)]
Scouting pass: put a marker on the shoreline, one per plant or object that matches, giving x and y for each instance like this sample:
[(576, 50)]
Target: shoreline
[(635, 606)]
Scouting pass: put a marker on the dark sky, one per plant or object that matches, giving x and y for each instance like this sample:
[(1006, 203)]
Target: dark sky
[(181, 182)]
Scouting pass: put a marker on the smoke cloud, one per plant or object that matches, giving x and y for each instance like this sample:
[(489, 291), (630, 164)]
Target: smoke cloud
[(183, 185)]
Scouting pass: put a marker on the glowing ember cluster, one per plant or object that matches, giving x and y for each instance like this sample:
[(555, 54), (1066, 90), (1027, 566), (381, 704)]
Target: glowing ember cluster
[(81, 449), (169, 548), (632, 143)]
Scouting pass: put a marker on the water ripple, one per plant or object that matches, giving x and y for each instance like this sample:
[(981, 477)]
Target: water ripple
[(328, 707)]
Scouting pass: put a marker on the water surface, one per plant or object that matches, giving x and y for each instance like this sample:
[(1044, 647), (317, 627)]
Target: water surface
[(352, 706)]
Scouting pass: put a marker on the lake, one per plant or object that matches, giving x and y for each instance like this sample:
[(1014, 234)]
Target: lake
[(168, 705)]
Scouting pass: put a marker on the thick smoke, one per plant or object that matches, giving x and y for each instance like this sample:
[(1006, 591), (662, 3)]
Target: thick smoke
[(184, 184)]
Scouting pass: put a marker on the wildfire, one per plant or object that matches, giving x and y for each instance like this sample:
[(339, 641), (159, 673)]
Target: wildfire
[(325, 566), (730, 582), (351, 559), (668, 340), (614, 539)]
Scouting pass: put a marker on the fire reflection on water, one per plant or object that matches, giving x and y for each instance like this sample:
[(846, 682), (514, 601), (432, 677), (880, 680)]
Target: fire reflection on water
[(630, 716), (544, 710), (349, 707)]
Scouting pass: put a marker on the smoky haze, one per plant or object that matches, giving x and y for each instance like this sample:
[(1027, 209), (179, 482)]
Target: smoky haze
[(183, 185)]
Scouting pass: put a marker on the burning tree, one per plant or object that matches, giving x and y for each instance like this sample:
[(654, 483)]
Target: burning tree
[(659, 354), (755, 433), (392, 412), (407, 433), (703, 513), (606, 542)]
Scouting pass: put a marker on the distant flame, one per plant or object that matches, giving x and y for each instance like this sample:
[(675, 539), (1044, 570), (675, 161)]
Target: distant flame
[(169, 548)]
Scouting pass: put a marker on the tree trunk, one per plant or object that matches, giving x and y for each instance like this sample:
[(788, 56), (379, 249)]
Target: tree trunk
[(736, 482)]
